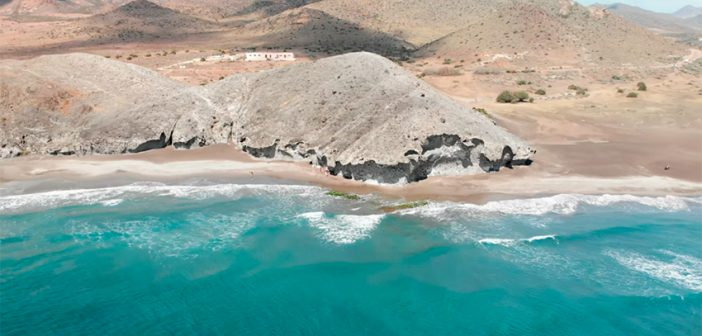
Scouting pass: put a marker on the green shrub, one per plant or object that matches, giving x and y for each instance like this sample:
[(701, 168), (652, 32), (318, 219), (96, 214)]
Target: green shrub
[(642, 86), (505, 97), (573, 87), (620, 90), (523, 82), (521, 96), (513, 97), (632, 95), (448, 61), (540, 92), (581, 92)]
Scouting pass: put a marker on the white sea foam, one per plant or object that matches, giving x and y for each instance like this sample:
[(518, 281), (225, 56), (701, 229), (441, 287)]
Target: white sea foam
[(682, 271), (565, 204), (110, 196), (513, 242), (199, 232), (343, 229), (112, 202)]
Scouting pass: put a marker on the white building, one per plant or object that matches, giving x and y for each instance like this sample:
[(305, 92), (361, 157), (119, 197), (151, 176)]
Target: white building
[(269, 56)]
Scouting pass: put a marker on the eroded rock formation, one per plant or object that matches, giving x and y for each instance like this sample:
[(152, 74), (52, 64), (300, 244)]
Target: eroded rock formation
[(358, 114)]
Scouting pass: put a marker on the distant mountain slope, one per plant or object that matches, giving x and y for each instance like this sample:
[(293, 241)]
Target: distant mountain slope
[(273, 7), (665, 23), (542, 30), (202, 8), (688, 12), (416, 21), (57, 7), (318, 31), (142, 19)]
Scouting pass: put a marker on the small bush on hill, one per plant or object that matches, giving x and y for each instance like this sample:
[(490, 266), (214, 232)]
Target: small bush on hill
[(632, 95), (505, 97), (540, 92), (642, 86), (513, 97)]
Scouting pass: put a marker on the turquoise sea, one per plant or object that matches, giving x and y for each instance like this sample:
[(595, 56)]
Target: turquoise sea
[(228, 259)]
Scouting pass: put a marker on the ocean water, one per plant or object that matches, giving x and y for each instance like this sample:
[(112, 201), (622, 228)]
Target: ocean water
[(153, 259)]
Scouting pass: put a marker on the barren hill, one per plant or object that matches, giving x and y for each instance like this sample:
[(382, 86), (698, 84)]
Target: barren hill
[(359, 114), (80, 103), (540, 28), (142, 19), (688, 12), (665, 23), (272, 7), (57, 7), (318, 31), (555, 35)]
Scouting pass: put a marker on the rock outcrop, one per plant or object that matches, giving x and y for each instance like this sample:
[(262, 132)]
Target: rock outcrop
[(358, 114)]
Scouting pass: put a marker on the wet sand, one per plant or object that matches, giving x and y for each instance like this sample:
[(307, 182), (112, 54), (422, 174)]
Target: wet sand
[(225, 164)]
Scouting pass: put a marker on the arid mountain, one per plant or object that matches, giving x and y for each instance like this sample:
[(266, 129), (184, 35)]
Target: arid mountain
[(272, 7), (359, 114), (688, 12), (142, 19), (531, 33), (57, 7), (660, 22), (49, 8), (541, 29), (318, 31)]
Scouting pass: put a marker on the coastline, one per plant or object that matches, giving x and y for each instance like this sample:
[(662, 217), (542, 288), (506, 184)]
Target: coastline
[(226, 164)]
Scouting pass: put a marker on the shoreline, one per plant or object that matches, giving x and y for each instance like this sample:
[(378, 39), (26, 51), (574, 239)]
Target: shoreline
[(226, 164)]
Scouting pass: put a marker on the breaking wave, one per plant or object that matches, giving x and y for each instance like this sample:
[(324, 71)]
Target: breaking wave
[(342, 229), (513, 242), (565, 204), (680, 270), (113, 196)]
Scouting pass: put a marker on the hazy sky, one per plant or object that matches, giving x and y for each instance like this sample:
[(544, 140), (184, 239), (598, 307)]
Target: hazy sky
[(665, 6)]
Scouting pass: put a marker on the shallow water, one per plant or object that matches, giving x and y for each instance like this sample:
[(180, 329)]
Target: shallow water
[(287, 260)]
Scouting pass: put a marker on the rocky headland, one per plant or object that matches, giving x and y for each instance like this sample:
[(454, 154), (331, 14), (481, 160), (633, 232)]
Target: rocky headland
[(360, 115)]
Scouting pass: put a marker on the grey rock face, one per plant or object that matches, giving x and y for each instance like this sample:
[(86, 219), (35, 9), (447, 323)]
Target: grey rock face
[(358, 114)]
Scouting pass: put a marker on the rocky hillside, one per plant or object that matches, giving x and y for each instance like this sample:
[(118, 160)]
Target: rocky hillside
[(554, 35), (359, 114), (80, 104), (540, 28)]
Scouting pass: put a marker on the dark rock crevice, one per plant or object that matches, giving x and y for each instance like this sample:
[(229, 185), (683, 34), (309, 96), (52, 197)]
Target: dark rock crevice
[(162, 142), (441, 154)]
